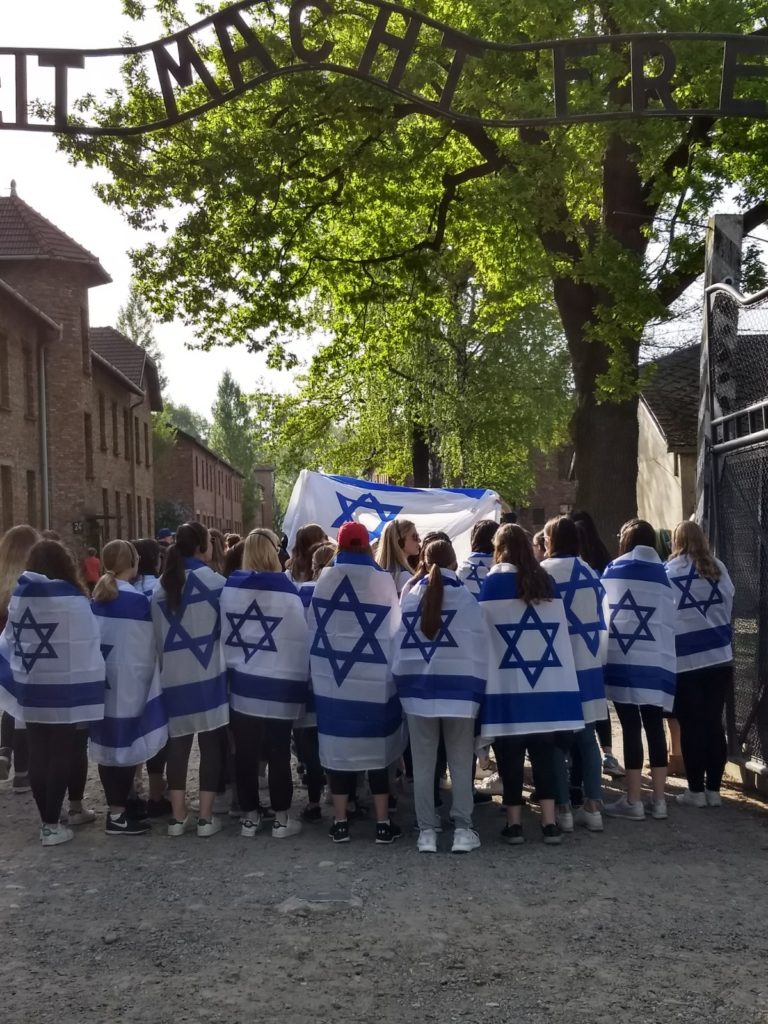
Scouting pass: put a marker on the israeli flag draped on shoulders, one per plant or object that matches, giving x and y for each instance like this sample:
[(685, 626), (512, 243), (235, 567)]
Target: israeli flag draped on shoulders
[(146, 584), (473, 571), (578, 587), (135, 724), (639, 607), (532, 685), (193, 674), (266, 644), (704, 610), (442, 677), (51, 668), (356, 615), (308, 718)]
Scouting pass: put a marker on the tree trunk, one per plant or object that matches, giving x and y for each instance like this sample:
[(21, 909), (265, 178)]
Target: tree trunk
[(420, 456)]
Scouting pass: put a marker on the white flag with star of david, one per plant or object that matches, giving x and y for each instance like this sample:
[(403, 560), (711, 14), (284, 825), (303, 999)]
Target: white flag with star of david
[(51, 668), (704, 610), (332, 501), (639, 609), (266, 644)]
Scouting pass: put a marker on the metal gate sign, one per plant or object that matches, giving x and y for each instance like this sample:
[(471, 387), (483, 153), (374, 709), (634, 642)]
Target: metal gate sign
[(428, 64)]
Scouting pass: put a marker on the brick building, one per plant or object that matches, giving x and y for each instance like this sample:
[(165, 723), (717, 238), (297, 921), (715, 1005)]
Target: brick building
[(74, 404), (554, 489), (200, 484)]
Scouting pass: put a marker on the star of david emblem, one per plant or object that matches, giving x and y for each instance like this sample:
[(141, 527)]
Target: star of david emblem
[(179, 638), (43, 632), (514, 657), (366, 503), (642, 613), (366, 648), (412, 641), (268, 624), (687, 600), (581, 579), (473, 576)]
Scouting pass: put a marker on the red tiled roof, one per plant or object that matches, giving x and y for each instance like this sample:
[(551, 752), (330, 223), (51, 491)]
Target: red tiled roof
[(25, 234), (129, 359)]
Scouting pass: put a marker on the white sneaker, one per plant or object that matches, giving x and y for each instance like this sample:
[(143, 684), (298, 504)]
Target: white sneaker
[(564, 821), (208, 827), (84, 817), (465, 840), (657, 809), (250, 824), (292, 827), (178, 828), (5, 767), (54, 835), (591, 820), (622, 808), (427, 841), (492, 784), (689, 799), (713, 798)]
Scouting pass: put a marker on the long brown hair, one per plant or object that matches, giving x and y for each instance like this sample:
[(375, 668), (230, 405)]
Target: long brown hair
[(438, 555), (218, 550), (190, 537), (512, 544), (321, 556), (562, 537), (116, 557), (15, 546), (688, 539), (635, 533), (307, 538), (52, 559)]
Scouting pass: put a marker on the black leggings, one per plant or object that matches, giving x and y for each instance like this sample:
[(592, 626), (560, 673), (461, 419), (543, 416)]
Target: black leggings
[(178, 751), (634, 718), (342, 783), (51, 754), (117, 781), (604, 734), (156, 764), (78, 771), (699, 706), (262, 739), (15, 742), (510, 758), (308, 753)]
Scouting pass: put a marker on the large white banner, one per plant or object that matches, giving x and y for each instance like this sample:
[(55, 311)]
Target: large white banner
[(331, 501)]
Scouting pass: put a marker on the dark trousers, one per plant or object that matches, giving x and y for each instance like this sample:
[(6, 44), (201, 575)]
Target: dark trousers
[(156, 764), (51, 754), (14, 741), (342, 783), (510, 758), (604, 734), (178, 750), (262, 739), (699, 706), (308, 752), (635, 718), (117, 781), (78, 771)]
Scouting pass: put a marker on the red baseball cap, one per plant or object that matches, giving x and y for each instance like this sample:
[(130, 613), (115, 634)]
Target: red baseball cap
[(353, 536)]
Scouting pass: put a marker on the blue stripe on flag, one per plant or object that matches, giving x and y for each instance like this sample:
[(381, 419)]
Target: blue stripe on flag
[(119, 733), (440, 687), (640, 572), (591, 683), (368, 485), (195, 698), (284, 691), (701, 640), (499, 586), (48, 588), (357, 718), (510, 708), (127, 606), (357, 558), (59, 696), (641, 677), (274, 582)]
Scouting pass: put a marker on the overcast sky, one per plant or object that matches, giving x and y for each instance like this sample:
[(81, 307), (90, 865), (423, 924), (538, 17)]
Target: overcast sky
[(64, 194)]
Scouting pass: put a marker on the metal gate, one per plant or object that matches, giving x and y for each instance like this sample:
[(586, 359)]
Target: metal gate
[(737, 354)]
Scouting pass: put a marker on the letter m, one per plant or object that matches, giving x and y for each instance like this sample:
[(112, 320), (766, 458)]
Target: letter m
[(189, 63)]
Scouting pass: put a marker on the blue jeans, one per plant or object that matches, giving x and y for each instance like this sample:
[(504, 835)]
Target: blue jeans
[(592, 766)]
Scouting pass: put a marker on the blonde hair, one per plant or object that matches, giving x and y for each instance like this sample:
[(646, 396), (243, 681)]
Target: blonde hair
[(117, 557), (260, 551), (15, 546), (321, 556), (688, 539), (389, 550)]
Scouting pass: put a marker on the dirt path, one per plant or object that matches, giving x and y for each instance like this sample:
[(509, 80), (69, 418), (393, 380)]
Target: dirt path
[(650, 922)]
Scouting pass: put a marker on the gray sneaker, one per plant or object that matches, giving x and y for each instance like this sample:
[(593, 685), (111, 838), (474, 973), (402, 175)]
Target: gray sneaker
[(612, 767), (622, 808)]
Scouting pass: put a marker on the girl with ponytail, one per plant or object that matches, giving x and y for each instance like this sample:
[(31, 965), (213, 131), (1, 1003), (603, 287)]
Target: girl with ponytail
[(185, 612), (135, 726), (439, 670)]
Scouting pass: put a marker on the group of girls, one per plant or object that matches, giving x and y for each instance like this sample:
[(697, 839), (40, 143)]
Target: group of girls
[(357, 657)]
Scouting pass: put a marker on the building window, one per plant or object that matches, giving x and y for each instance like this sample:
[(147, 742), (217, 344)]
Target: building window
[(137, 440), (537, 516), (31, 497), (129, 513), (105, 511), (115, 437), (29, 382), (102, 422), (118, 515), (5, 380), (140, 511), (6, 496), (88, 434), (146, 446), (149, 518), (127, 434), (85, 341)]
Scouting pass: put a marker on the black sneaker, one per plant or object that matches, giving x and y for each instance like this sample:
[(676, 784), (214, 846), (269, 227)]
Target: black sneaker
[(125, 826), (387, 832), (481, 798), (552, 835), (137, 808), (513, 834), (339, 831), (312, 814), (159, 808)]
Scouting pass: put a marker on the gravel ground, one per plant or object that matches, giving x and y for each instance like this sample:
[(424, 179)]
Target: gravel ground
[(648, 922)]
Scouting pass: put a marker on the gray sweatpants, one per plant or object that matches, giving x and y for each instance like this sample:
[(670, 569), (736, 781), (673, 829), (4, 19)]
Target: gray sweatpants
[(459, 734)]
